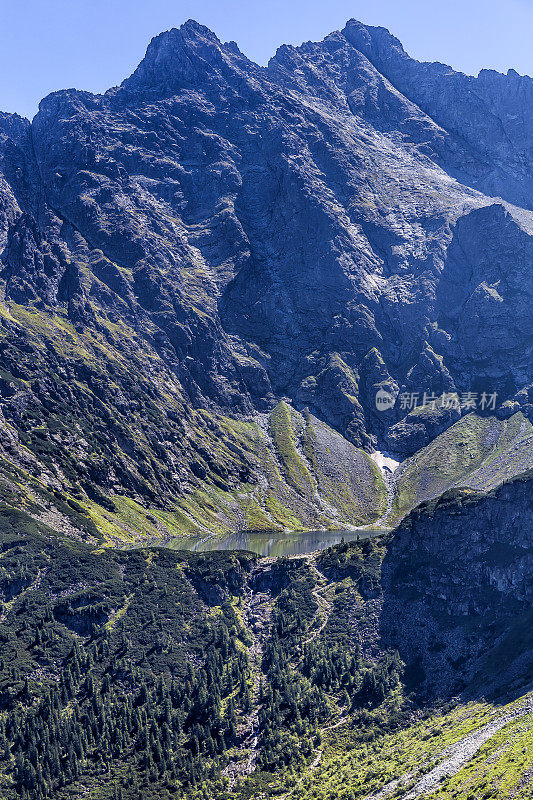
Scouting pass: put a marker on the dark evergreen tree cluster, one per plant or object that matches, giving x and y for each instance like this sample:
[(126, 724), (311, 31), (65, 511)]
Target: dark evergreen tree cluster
[(104, 709), (292, 708), (131, 671)]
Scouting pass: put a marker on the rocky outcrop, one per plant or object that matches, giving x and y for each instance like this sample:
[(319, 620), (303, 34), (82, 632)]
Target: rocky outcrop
[(457, 589)]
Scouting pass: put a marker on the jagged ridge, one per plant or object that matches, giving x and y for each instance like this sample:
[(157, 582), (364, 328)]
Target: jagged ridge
[(212, 237)]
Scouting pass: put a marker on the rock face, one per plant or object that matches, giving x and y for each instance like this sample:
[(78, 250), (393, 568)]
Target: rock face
[(218, 236), (457, 589)]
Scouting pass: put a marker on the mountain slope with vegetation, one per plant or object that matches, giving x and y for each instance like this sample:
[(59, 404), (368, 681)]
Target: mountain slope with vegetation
[(208, 276), (211, 238), (478, 453), (150, 673)]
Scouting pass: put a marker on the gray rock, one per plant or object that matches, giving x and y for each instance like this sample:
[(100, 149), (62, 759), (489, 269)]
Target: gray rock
[(319, 229)]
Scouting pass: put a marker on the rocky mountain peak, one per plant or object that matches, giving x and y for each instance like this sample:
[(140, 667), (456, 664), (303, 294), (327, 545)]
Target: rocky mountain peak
[(184, 58), (493, 113), (316, 231), (374, 41), (13, 126)]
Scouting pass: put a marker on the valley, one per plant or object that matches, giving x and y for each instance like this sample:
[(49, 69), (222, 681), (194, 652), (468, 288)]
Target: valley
[(266, 427), (238, 676)]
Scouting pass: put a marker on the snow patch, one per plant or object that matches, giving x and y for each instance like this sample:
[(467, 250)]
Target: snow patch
[(386, 464)]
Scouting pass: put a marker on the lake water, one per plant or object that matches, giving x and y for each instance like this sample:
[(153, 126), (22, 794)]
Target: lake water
[(275, 544)]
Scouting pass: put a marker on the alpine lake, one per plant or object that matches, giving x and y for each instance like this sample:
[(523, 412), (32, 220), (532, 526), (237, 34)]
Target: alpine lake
[(275, 544)]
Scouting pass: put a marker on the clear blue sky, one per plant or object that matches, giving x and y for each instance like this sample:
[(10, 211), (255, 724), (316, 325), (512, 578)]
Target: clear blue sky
[(93, 44)]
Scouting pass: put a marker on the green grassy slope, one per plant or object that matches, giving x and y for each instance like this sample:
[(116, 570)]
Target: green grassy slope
[(476, 452), (94, 422), (358, 763), (99, 442)]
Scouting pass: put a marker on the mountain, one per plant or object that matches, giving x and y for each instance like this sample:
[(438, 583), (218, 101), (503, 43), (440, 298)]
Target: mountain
[(244, 298), (392, 662), (212, 240)]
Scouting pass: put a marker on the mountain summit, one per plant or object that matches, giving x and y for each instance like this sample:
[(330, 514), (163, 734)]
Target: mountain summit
[(211, 271)]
